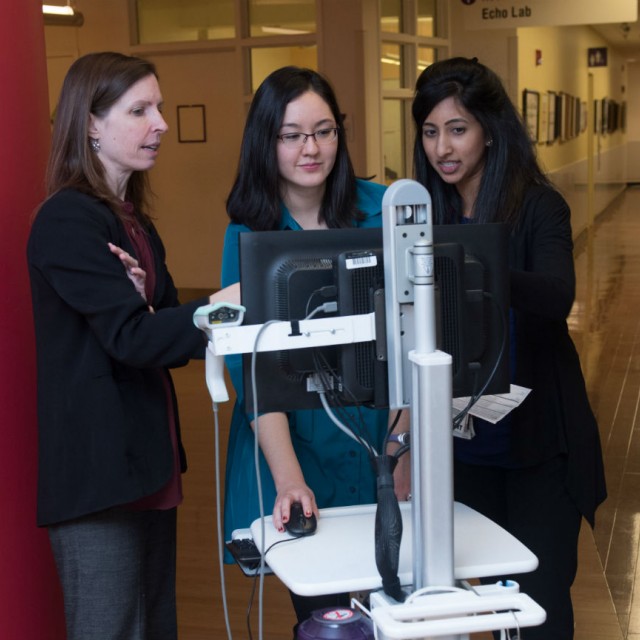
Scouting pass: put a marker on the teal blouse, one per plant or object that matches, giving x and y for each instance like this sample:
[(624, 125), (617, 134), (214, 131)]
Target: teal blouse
[(335, 467)]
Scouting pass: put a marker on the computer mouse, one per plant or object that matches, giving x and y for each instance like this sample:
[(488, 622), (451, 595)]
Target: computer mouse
[(298, 524)]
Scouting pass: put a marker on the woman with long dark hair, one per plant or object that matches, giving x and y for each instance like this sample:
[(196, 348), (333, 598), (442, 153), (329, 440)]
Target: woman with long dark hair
[(539, 471), (295, 173)]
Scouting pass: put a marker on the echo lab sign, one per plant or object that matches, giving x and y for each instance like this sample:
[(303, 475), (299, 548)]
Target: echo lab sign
[(492, 14), (489, 13)]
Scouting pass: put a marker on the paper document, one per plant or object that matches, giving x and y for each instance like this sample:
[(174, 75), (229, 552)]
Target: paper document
[(493, 408)]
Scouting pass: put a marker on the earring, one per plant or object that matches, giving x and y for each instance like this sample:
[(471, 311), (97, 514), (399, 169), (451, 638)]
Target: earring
[(489, 142), (94, 144)]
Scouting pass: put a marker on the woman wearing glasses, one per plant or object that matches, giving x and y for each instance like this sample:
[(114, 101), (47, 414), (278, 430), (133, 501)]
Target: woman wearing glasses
[(295, 173)]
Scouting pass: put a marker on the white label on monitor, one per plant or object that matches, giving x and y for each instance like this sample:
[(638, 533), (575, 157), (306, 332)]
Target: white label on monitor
[(361, 261)]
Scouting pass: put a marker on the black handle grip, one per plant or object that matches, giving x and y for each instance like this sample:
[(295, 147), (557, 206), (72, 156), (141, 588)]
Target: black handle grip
[(388, 529)]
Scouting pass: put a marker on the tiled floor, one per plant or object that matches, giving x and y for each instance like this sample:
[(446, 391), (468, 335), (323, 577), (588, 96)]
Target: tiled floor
[(605, 324)]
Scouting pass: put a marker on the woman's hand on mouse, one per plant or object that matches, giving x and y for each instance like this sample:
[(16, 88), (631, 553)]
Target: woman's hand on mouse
[(286, 497), (275, 441)]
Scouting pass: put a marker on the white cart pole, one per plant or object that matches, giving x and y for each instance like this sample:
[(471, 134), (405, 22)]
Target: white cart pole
[(410, 315)]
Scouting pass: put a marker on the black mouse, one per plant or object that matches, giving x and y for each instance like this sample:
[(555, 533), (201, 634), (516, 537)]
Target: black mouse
[(298, 524)]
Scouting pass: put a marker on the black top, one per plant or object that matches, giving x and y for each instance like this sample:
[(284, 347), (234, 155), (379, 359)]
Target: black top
[(556, 417), (102, 410)]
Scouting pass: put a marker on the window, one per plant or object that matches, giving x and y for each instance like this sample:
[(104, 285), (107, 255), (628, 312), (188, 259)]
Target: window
[(391, 16), (289, 24), (410, 33), (281, 17), (393, 69), (427, 24), (426, 56), (188, 20)]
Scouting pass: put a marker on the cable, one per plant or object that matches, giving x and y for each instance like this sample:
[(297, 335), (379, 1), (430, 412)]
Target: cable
[(327, 375), (341, 426), (328, 291), (256, 459), (253, 589), (392, 426), (475, 397), (327, 307), (223, 588)]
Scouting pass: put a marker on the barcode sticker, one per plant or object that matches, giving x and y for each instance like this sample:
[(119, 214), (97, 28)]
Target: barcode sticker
[(361, 260)]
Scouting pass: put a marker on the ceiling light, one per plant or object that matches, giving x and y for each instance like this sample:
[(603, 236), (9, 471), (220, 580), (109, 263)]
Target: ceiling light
[(55, 10), (61, 16), (284, 31)]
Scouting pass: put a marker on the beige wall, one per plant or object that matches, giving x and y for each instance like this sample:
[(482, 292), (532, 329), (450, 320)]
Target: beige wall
[(564, 68), (191, 180), (495, 48)]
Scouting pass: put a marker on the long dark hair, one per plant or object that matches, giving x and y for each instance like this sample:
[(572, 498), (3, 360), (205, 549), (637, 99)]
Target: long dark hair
[(93, 84), (510, 162), (255, 199)]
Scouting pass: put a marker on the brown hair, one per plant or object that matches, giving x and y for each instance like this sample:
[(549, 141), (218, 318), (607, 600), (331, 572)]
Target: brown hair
[(93, 84)]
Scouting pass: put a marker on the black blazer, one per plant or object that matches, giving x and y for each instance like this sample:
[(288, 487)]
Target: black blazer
[(102, 407), (556, 416)]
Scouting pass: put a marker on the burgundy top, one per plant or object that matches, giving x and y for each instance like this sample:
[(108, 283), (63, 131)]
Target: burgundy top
[(170, 495)]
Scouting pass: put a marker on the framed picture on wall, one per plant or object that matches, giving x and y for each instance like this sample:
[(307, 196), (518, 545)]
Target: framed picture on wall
[(561, 114), (543, 129), (192, 123), (576, 116), (568, 116), (531, 112), (614, 115), (583, 116), (551, 117)]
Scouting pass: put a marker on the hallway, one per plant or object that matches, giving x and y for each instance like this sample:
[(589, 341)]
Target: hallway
[(605, 323)]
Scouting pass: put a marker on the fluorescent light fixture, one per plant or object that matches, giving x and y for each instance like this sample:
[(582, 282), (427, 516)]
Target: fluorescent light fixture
[(61, 16), (55, 10), (285, 31)]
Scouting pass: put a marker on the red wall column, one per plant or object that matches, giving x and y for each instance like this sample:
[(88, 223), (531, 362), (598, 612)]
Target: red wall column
[(30, 599)]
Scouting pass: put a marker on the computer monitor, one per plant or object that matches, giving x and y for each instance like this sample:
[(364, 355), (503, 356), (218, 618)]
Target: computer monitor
[(285, 275)]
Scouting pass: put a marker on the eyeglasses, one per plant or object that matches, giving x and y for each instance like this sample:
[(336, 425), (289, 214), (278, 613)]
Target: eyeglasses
[(321, 136)]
